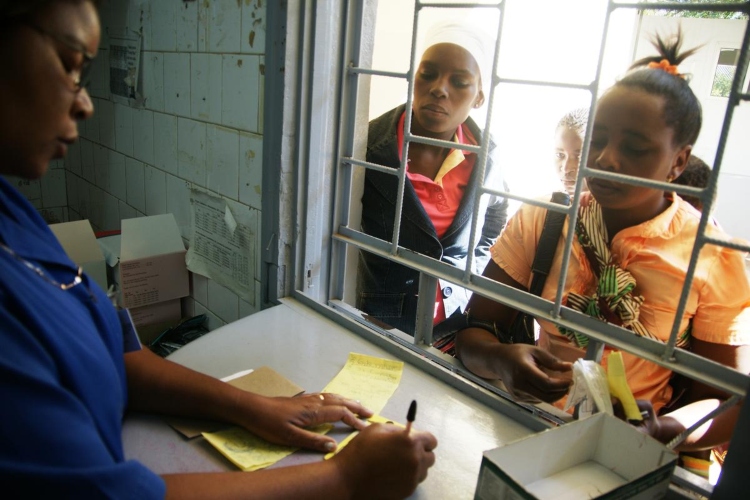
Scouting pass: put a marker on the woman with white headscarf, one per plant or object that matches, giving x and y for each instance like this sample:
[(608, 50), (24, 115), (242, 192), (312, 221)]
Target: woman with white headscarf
[(442, 183)]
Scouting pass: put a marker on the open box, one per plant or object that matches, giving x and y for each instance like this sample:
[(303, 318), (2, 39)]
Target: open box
[(78, 240), (152, 261), (599, 457)]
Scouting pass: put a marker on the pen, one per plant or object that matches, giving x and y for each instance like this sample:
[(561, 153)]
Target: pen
[(410, 415)]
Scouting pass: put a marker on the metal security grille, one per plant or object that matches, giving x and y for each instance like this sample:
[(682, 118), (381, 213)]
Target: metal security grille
[(344, 236)]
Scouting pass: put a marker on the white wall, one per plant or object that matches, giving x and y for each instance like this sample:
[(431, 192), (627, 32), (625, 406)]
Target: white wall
[(199, 124)]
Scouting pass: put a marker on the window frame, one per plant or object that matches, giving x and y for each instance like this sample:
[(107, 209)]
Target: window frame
[(324, 244)]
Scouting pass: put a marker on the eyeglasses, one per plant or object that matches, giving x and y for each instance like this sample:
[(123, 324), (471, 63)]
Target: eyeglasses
[(82, 77)]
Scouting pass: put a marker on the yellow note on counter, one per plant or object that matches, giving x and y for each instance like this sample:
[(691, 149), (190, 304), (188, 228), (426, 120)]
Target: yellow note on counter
[(375, 419), (249, 452), (367, 379)]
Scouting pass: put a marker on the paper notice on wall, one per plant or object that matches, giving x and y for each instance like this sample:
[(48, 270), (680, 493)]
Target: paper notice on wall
[(222, 243), (124, 58)]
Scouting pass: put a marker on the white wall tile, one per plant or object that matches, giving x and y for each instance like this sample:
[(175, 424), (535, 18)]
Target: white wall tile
[(261, 92), (191, 150), (223, 302), (101, 166), (223, 25), (177, 83), (186, 26), (73, 215), (92, 124), (200, 288), (126, 211), (155, 184), (99, 85), (84, 198), (96, 206), (188, 307), (88, 171), (53, 189), (136, 195), (240, 92), (73, 159), (165, 143), (124, 129), (71, 190), (178, 203), (142, 9), (111, 219), (143, 135), (31, 189), (253, 27), (106, 112), (246, 309), (212, 321), (205, 87), (222, 160), (152, 71), (251, 169), (117, 178), (163, 32)]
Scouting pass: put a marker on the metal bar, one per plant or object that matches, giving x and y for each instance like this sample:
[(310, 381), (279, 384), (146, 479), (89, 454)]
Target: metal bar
[(529, 201), (685, 362), (724, 406), (428, 287), (372, 166), (735, 245), (440, 143), (376, 72), (544, 83), (709, 7), (485, 147), (435, 5)]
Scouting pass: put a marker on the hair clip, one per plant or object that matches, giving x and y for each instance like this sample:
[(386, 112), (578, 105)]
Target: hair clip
[(665, 65)]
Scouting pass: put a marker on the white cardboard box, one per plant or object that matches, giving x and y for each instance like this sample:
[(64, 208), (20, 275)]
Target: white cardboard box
[(78, 240), (599, 457), (168, 312), (152, 261)]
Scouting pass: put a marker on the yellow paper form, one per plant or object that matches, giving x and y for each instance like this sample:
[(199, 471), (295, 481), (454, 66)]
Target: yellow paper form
[(368, 379), (375, 419)]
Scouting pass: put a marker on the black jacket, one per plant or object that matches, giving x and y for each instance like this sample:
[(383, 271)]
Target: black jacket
[(388, 291)]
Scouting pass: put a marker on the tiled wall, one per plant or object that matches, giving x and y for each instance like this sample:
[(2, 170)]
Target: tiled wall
[(198, 123)]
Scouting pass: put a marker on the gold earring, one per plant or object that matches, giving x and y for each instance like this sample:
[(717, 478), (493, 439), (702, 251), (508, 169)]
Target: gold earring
[(670, 178)]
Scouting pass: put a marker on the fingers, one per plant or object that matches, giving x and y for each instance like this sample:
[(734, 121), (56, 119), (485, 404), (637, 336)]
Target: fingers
[(547, 360), (329, 398)]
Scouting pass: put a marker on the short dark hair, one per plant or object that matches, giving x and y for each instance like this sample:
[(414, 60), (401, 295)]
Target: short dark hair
[(575, 120), (682, 111), (696, 174)]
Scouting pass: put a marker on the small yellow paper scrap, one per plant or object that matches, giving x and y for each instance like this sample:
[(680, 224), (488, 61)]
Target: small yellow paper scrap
[(375, 419), (249, 452), (368, 379)]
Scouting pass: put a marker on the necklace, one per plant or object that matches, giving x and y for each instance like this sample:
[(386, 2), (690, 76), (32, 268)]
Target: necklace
[(62, 286)]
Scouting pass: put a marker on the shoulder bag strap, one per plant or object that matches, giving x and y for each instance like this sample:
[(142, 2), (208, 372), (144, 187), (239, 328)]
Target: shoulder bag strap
[(545, 250)]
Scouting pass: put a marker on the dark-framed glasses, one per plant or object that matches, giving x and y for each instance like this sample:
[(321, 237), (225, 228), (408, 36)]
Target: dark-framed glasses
[(82, 77)]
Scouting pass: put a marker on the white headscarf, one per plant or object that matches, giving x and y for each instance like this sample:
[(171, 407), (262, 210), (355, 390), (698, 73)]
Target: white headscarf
[(470, 37)]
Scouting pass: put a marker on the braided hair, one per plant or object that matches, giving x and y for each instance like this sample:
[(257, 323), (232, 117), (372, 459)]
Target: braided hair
[(682, 111), (575, 120)]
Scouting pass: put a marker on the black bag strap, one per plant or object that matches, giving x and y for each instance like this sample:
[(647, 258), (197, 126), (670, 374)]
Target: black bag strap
[(545, 250)]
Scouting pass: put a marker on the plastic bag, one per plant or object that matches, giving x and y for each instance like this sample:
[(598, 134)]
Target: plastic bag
[(590, 388)]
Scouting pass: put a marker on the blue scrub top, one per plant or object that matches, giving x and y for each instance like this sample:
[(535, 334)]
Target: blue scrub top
[(62, 376)]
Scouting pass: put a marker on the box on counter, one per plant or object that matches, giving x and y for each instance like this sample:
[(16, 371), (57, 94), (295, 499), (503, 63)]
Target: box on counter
[(599, 457), (151, 320), (152, 261), (78, 240)]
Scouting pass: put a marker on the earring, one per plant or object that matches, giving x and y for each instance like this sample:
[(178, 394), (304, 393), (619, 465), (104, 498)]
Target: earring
[(670, 178)]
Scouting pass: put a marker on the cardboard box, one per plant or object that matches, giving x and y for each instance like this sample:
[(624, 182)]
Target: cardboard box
[(168, 312), (599, 457), (78, 240), (152, 261)]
